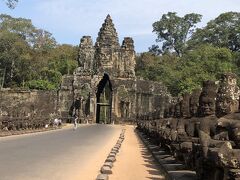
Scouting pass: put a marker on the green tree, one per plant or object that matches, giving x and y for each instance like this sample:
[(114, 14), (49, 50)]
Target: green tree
[(43, 40), (51, 76), (11, 3), (155, 50), (224, 31), (157, 68), (174, 31), (63, 58), (15, 56), (46, 79), (37, 38), (22, 27), (40, 85), (31, 57), (183, 74), (204, 63)]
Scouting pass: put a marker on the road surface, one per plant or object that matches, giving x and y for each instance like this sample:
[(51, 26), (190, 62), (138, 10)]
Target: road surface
[(57, 155)]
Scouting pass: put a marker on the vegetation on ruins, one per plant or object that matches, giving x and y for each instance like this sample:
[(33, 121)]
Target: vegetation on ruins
[(188, 56), (30, 57)]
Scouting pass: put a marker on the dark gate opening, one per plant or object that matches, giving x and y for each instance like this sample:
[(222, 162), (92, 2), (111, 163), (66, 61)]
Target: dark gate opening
[(104, 101)]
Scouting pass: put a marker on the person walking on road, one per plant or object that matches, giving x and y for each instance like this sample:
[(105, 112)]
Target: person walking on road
[(75, 122)]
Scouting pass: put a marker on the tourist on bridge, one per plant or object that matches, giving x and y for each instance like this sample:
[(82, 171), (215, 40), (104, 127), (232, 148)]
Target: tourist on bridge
[(75, 122)]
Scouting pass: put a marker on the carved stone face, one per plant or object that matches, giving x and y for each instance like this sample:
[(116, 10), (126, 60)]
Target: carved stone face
[(194, 108), (207, 105), (223, 106), (166, 112), (185, 110), (228, 95), (171, 110), (194, 103), (207, 98), (236, 135), (177, 112), (184, 105)]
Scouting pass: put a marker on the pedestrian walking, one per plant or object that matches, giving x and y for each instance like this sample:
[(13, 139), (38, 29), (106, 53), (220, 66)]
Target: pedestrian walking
[(75, 122)]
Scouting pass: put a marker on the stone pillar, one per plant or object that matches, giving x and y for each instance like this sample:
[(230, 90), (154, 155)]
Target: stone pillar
[(128, 58), (228, 95), (93, 107), (85, 56)]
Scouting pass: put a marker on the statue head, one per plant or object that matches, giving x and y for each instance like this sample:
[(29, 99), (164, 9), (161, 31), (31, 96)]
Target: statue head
[(169, 111), (228, 95), (166, 112), (223, 105), (177, 110), (184, 105), (157, 114), (236, 135), (207, 98), (194, 103)]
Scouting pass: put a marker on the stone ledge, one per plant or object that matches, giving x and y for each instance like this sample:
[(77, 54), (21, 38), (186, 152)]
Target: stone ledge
[(110, 164), (102, 177), (106, 170), (172, 169), (183, 175)]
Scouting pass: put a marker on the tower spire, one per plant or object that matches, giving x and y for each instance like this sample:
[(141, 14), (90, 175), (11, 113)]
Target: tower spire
[(107, 36)]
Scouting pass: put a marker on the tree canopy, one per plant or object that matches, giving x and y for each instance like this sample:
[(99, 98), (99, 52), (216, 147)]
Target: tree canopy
[(224, 31), (11, 3), (30, 57), (174, 31), (188, 55)]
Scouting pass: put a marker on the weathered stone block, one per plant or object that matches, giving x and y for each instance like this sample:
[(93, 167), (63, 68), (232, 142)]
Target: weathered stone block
[(159, 152), (102, 177), (114, 152), (167, 160), (163, 156), (110, 159), (106, 170), (174, 167), (112, 155), (110, 164), (183, 175)]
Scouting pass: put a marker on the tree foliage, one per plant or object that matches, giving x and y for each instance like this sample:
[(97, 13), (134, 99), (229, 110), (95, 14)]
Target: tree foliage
[(224, 31), (31, 57), (183, 74), (173, 31), (37, 38), (14, 55), (11, 3), (191, 56)]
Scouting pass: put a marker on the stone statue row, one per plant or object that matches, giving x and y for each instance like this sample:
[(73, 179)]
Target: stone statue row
[(24, 123), (202, 130)]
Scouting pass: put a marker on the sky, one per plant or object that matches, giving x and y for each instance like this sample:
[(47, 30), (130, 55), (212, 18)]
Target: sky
[(69, 20)]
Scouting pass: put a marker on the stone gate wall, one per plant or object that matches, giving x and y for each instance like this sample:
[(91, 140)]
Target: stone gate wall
[(77, 96), (16, 105)]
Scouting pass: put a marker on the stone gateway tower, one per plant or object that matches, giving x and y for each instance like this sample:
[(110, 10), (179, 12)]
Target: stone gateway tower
[(104, 87)]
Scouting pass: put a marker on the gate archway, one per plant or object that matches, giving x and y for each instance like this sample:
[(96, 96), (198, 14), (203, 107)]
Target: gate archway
[(104, 100)]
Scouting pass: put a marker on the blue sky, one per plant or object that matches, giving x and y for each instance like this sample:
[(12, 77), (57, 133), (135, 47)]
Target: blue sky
[(69, 20)]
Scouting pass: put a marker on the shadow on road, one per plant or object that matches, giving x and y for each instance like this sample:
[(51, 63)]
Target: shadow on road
[(152, 166)]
